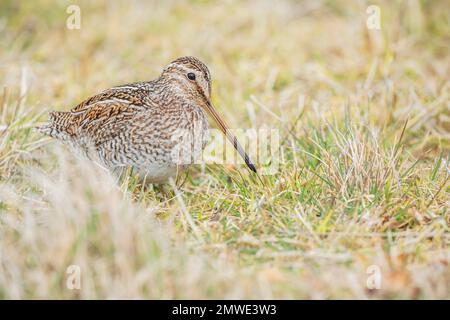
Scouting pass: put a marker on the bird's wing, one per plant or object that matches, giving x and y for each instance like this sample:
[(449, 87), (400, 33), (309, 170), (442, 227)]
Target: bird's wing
[(91, 119), (127, 94)]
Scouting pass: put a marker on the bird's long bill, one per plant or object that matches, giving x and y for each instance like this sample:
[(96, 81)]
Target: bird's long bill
[(231, 137)]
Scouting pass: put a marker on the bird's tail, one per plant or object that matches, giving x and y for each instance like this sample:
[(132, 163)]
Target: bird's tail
[(56, 126)]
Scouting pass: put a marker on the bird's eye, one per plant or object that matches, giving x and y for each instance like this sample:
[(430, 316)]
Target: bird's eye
[(191, 76)]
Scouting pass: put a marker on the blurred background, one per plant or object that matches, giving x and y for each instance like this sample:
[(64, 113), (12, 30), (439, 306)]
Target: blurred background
[(273, 51)]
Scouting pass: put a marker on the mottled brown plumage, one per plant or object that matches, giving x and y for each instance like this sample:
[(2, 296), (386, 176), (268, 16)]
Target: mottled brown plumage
[(156, 127)]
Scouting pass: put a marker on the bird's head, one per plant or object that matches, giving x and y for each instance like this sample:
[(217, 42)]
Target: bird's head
[(192, 78)]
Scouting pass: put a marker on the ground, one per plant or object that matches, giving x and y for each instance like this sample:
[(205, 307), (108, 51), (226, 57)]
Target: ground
[(357, 208)]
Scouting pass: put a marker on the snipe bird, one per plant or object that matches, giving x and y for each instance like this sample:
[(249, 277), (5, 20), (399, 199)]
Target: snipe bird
[(138, 125)]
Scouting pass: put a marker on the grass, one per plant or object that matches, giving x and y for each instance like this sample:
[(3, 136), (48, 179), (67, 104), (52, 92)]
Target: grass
[(364, 160)]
